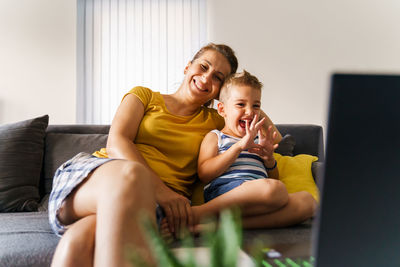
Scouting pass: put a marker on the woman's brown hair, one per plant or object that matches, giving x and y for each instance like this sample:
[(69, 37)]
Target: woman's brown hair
[(224, 50)]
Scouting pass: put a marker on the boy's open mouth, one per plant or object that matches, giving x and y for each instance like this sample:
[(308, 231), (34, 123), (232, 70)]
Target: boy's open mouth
[(242, 123)]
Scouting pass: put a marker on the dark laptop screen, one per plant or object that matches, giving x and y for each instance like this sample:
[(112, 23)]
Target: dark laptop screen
[(359, 220)]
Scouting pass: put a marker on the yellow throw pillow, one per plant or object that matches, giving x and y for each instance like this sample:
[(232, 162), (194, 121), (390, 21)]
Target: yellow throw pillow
[(295, 173)]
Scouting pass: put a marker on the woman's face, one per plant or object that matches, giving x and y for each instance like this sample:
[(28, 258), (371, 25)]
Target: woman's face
[(205, 75)]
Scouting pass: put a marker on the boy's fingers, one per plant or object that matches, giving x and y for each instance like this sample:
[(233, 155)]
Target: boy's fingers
[(170, 218), (254, 122), (270, 133), (257, 146), (274, 135), (256, 149), (182, 218), (260, 135), (259, 124), (176, 218), (190, 220), (247, 126)]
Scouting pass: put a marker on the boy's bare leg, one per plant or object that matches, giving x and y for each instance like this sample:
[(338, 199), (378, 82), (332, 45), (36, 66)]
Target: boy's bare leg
[(300, 207), (117, 193), (252, 197)]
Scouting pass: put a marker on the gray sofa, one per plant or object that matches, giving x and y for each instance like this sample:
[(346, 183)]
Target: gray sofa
[(26, 238)]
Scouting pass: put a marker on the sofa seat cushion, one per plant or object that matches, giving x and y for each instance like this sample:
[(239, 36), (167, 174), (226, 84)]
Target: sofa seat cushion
[(26, 239)]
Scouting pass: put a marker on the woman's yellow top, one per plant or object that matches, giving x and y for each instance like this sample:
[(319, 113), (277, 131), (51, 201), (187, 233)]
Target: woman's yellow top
[(170, 143)]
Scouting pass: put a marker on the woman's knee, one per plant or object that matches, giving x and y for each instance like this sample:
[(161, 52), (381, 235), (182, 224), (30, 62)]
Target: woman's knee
[(119, 183), (130, 182)]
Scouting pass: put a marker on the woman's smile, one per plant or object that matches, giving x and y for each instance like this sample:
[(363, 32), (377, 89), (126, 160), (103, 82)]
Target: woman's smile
[(199, 85)]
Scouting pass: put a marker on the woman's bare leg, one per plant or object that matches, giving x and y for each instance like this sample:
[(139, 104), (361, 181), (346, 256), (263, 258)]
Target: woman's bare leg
[(76, 247), (117, 193)]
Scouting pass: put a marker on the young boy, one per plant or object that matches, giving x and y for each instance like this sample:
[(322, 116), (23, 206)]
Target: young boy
[(237, 163)]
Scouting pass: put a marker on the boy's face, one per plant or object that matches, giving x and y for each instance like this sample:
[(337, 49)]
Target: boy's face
[(242, 104)]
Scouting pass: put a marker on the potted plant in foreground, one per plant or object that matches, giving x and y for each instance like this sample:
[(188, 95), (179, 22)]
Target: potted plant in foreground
[(222, 247)]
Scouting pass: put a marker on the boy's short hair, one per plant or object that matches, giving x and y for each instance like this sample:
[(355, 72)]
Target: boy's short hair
[(240, 78)]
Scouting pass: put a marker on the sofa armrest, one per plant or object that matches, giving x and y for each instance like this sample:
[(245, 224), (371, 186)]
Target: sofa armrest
[(317, 169)]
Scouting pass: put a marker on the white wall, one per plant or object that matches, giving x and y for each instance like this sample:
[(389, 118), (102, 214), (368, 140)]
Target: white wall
[(37, 60), (294, 46)]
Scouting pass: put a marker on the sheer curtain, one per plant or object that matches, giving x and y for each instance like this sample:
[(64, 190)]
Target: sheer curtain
[(125, 43)]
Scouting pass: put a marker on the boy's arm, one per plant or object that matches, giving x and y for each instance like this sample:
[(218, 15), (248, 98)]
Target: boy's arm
[(266, 149), (210, 163), (274, 173), (267, 123)]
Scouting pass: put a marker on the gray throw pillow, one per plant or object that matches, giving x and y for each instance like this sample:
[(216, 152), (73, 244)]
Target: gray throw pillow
[(286, 146), (21, 156)]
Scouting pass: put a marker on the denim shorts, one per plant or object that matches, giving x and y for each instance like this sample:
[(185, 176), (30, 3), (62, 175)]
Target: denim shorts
[(221, 186), (67, 177)]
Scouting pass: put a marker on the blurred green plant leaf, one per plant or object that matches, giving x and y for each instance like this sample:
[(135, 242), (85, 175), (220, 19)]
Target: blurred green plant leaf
[(224, 244)]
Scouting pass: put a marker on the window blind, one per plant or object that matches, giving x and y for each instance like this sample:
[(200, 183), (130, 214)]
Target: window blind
[(125, 43)]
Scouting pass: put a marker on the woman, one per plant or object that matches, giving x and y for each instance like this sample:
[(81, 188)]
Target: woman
[(97, 201), (154, 141)]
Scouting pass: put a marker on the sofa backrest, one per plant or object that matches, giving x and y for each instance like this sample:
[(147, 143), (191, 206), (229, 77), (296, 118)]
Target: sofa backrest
[(62, 142), (309, 138)]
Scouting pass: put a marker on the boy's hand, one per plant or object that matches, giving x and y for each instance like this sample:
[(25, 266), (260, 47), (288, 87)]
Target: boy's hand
[(266, 147), (247, 142)]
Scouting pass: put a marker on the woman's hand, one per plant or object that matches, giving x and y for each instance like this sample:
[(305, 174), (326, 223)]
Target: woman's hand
[(177, 210), (119, 145)]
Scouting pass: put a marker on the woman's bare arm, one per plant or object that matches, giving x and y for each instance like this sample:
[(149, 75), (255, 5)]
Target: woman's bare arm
[(120, 145), (123, 130)]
